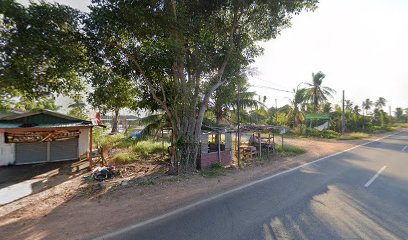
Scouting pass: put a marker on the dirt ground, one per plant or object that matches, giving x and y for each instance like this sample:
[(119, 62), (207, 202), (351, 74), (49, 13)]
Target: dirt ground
[(67, 206)]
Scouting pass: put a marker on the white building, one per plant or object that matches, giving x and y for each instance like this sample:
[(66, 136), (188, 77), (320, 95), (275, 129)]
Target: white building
[(43, 136)]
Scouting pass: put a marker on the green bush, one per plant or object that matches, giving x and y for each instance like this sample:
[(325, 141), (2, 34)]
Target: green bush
[(330, 134), (312, 132)]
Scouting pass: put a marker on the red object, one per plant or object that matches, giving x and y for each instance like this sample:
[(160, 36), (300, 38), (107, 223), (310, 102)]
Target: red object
[(98, 118)]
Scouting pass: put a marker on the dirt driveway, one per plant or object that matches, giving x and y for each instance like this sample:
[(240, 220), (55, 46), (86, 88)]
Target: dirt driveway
[(75, 209)]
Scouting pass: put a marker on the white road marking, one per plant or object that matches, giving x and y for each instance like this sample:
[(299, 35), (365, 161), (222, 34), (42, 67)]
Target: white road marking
[(403, 150), (374, 177), (192, 205)]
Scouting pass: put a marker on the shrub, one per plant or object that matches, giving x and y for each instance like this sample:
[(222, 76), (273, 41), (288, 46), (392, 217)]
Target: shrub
[(312, 132), (330, 134)]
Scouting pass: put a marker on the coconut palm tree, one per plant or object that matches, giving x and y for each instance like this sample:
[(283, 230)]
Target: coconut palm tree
[(348, 105), (356, 110), (380, 103), (295, 112), (367, 104), (327, 107), (399, 113), (316, 93)]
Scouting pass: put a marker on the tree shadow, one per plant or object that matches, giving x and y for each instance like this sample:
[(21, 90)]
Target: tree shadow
[(20, 181)]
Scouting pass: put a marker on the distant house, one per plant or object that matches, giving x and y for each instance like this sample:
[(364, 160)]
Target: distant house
[(42, 136)]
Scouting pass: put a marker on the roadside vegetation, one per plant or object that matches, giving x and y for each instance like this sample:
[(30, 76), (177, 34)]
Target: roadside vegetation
[(171, 62)]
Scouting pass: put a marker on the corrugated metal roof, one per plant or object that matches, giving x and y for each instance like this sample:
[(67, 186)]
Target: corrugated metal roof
[(8, 125), (39, 119), (19, 115)]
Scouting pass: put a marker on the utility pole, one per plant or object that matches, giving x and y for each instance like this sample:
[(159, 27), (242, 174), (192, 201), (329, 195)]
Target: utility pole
[(239, 131), (389, 111), (343, 122), (276, 111)]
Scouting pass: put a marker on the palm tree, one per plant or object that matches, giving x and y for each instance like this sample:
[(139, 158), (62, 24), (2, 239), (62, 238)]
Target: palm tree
[(399, 113), (380, 103), (327, 107), (295, 112), (356, 110), (366, 106), (349, 105), (315, 92)]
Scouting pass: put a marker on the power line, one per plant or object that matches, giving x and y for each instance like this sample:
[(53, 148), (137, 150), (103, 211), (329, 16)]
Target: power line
[(272, 88), (269, 82)]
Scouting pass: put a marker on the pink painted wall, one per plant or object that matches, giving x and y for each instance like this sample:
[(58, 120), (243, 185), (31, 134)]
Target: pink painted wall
[(207, 159)]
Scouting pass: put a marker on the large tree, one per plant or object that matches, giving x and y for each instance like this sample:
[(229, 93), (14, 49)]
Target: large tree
[(175, 52), (367, 104), (295, 113), (179, 51), (225, 98), (111, 93), (40, 50)]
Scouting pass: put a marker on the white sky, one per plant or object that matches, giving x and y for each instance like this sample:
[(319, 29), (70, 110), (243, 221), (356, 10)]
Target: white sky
[(361, 46)]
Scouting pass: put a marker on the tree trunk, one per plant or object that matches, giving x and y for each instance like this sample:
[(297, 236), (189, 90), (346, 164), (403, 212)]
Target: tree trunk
[(115, 121)]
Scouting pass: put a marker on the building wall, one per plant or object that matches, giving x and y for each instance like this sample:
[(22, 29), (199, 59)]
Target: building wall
[(207, 159), (83, 143), (6, 152)]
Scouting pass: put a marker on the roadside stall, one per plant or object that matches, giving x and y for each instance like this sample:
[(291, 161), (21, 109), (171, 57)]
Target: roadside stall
[(43, 136), (261, 141)]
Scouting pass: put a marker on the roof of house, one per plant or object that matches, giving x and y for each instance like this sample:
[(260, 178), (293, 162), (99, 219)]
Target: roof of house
[(40, 119)]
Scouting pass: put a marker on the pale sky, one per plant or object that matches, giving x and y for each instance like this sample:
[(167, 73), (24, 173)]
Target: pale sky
[(361, 46)]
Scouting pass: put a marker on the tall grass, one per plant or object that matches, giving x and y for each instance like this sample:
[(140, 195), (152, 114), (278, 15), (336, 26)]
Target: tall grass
[(139, 151), (353, 136), (289, 150)]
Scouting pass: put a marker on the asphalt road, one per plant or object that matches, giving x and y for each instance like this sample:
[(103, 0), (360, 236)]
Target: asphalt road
[(358, 194)]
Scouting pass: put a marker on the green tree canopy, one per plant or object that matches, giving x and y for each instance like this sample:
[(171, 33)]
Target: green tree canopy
[(179, 50), (40, 51)]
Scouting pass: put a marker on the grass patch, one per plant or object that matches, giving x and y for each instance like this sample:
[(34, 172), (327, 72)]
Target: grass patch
[(146, 148), (353, 136), (138, 151), (402, 125), (384, 129), (216, 169), (289, 150)]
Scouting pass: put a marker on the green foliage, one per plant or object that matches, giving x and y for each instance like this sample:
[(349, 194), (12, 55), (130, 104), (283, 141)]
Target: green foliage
[(216, 169), (146, 148), (289, 150), (353, 136), (33, 104), (40, 51), (295, 114), (127, 150), (312, 132), (78, 109), (112, 141), (317, 94)]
